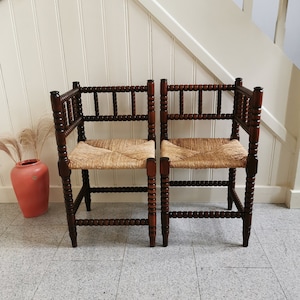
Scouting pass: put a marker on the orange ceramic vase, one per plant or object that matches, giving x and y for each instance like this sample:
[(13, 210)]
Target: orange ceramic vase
[(30, 180)]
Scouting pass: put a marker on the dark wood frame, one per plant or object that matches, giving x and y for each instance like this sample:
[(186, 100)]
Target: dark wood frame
[(68, 116), (246, 115)]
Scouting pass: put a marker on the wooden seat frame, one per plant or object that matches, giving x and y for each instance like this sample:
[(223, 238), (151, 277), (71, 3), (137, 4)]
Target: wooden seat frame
[(68, 116), (246, 115)]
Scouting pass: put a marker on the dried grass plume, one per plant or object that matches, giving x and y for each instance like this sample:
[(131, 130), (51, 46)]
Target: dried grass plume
[(29, 140)]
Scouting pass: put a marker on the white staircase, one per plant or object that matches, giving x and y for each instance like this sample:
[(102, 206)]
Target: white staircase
[(224, 38)]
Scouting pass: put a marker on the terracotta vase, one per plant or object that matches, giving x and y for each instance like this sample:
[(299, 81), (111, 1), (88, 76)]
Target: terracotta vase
[(30, 180)]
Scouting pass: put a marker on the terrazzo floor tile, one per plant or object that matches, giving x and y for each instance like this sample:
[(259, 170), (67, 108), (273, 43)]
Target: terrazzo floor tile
[(289, 279), (158, 274), (94, 243), (275, 216), (180, 233), (2, 229), (98, 242), (69, 280), (8, 213), (25, 253), (209, 231), (239, 283), (231, 256), (54, 216), (218, 243), (138, 250), (217, 231), (282, 248), (27, 237), (21, 271), (138, 236), (204, 260)]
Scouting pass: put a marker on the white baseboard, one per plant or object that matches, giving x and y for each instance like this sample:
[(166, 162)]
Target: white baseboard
[(263, 194), (293, 199)]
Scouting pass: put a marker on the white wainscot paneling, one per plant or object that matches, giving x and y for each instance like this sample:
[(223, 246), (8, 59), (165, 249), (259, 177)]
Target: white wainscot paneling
[(163, 54), (6, 164), (94, 35), (72, 40), (262, 194), (140, 44), (12, 73), (265, 157), (5, 121), (51, 43), (116, 40), (184, 66), (281, 165), (163, 62), (50, 158), (29, 45)]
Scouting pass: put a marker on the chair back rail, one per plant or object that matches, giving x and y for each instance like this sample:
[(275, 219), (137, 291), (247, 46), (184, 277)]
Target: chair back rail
[(69, 114), (245, 113)]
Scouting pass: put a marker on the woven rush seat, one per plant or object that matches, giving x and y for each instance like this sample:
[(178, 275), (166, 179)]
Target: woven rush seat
[(112, 154), (202, 153)]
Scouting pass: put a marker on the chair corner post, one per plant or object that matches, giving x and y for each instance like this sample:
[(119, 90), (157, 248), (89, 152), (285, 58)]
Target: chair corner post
[(238, 81), (76, 85), (163, 109), (151, 109)]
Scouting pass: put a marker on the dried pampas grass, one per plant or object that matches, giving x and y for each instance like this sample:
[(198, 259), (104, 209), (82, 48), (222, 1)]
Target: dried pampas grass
[(45, 128), (29, 140), (12, 148)]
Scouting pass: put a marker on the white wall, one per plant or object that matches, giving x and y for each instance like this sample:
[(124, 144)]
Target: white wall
[(283, 14), (292, 32), (49, 44), (264, 15)]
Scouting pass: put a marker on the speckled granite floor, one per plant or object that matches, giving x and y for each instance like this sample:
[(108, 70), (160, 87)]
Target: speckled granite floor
[(204, 259)]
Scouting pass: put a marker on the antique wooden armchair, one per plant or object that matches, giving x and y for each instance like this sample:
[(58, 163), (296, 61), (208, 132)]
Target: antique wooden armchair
[(76, 108), (210, 153)]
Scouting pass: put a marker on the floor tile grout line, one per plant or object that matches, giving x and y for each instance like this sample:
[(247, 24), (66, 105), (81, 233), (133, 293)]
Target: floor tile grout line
[(44, 274), (197, 273), (122, 265), (271, 266), (121, 269)]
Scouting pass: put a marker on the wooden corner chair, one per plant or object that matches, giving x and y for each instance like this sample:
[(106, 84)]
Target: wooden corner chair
[(210, 153), (81, 105)]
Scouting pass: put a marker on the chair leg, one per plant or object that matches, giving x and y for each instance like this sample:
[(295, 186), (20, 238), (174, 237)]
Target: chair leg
[(151, 173), (86, 184), (231, 186), (164, 176), (247, 220), (70, 210)]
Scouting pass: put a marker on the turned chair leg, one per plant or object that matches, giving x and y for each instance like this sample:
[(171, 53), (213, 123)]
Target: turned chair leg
[(151, 173), (70, 210), (231, 187), (247, 220), (164, 171), (86, 184)]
